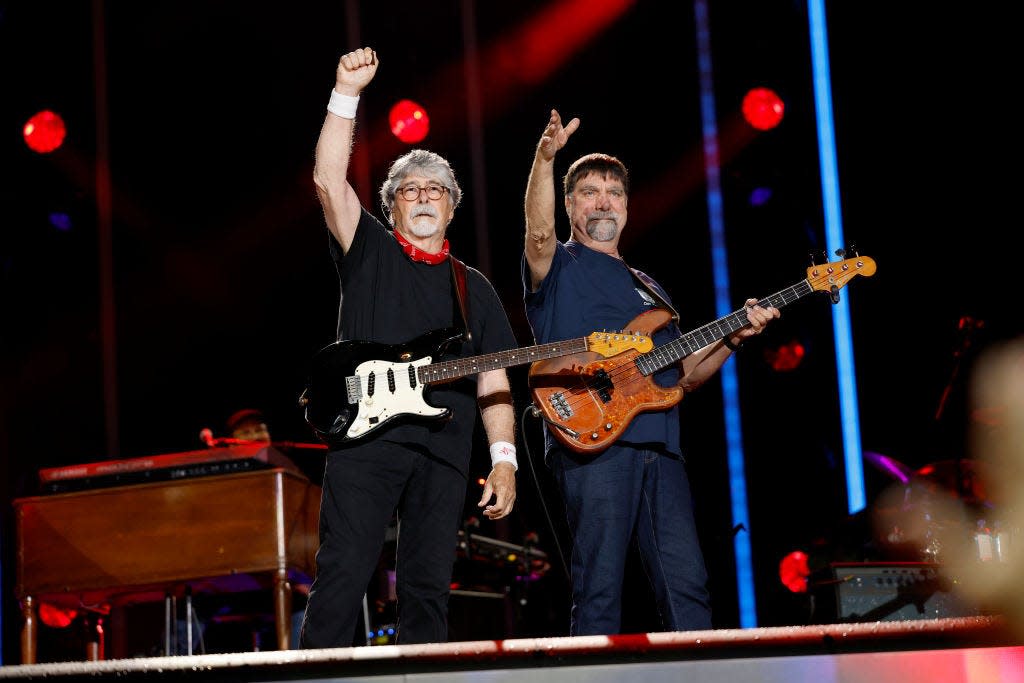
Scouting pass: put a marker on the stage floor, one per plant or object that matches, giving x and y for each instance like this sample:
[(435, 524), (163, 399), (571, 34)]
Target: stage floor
[(972, 650)]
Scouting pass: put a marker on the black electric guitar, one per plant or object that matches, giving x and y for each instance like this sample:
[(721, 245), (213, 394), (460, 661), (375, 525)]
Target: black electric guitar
[(588, 401), (356, 387)]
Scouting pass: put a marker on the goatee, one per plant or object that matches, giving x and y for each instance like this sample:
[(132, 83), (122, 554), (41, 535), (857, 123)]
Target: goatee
[(603, 230), (423, 228)]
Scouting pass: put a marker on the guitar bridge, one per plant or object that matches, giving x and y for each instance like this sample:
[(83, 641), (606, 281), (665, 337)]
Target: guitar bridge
[(353, 389), (560, 405)]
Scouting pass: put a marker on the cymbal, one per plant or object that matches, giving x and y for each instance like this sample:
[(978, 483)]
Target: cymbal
[(933, 514)]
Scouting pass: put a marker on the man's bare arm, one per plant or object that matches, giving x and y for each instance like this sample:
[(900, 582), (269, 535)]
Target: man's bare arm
[(540, 198), (330, 174)]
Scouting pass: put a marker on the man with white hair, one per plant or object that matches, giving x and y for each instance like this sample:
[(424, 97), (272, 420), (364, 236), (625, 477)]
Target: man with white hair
[(398, 285)]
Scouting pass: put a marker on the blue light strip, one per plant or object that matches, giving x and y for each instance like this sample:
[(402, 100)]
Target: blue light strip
[(723, 306), (855, 493)]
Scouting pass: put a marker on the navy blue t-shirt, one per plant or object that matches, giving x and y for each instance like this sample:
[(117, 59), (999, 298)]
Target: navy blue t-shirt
[(586, 291)]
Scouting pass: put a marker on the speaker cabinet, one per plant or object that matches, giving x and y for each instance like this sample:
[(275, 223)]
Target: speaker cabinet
[(900, 591), (478, 615)]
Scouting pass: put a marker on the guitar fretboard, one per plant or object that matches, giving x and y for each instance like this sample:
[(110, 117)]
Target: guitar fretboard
[(669, 353), (460, 367)]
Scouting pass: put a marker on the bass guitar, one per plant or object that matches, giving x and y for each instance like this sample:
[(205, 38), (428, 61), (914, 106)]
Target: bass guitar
[(357, 387), (588, 401)]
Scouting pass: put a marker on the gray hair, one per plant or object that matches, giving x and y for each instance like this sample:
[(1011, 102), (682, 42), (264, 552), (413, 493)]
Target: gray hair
[(418, 162)]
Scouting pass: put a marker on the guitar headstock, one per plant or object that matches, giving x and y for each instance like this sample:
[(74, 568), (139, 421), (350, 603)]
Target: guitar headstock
[(613, 343), (831, 277)]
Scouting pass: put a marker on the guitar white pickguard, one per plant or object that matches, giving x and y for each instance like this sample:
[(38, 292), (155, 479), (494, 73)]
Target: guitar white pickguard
[(384, 404)]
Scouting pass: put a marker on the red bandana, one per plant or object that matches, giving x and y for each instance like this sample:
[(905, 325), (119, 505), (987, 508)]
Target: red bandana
[(418, 254)]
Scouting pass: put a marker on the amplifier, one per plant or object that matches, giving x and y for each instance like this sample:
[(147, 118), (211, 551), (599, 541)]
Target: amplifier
[(897, 591)]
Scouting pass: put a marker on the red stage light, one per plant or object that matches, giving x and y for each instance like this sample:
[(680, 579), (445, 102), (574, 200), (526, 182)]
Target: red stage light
[(794, 570), (786, 357), (56, 617), (44, 132), (409, 121), (762, 108)]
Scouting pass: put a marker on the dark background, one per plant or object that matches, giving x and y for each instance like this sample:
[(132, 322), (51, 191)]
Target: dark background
[(224, 287)]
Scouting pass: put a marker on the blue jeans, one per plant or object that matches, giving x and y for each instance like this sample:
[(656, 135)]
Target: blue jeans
[(622, 494)]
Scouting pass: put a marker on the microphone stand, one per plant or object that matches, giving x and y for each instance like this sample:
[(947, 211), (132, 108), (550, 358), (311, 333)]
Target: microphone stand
[(967, 327)]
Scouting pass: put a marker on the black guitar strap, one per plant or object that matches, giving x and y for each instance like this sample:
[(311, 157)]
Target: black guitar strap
[(461, 294), (648, 285)]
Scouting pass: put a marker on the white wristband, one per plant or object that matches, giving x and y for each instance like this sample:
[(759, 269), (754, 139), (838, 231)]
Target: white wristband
[(503, 451), (343, 105)]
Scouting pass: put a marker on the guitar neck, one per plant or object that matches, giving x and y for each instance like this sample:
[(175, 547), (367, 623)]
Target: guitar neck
[(460, 367), (694, 341)]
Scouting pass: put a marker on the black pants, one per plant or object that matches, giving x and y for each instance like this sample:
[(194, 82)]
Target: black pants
[(362, 489)]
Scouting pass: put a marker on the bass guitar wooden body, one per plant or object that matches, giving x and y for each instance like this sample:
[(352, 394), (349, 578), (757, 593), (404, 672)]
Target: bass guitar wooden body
[(589, 400)]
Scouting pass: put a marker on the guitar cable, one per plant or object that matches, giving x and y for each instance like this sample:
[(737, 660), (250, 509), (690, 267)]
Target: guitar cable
[(535, 412)]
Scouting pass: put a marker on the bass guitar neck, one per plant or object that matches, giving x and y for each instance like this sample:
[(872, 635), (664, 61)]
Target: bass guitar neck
[(588, 401)]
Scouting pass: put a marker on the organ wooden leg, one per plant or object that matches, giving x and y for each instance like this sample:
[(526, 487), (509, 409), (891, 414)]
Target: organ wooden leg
[(283, 609), (28, 630)]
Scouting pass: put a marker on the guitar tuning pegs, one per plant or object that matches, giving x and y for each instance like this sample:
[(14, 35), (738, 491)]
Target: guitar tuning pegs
[(841, 253), (810, 255), (853, 248)]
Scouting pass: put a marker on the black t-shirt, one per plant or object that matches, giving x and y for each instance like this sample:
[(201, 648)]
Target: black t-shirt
[(390, 299)]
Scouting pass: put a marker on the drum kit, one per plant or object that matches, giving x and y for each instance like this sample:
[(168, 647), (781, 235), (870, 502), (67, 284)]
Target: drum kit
[(962, 510), (944, 513)]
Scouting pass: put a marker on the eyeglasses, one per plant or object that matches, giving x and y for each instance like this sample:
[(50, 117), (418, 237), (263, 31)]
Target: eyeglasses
[(411, 193)]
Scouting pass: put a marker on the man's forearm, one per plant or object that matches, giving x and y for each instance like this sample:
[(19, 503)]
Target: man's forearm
[(540, 202)]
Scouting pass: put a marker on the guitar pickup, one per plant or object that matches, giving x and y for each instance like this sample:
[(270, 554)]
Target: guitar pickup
[(353, 389), (602, 383), (560, 405)]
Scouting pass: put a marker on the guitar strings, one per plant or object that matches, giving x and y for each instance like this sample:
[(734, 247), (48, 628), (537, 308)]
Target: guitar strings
[(631, 366), (589, 385)]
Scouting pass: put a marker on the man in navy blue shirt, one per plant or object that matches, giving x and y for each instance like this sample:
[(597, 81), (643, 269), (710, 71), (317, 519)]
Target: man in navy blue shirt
[(638, 485)]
